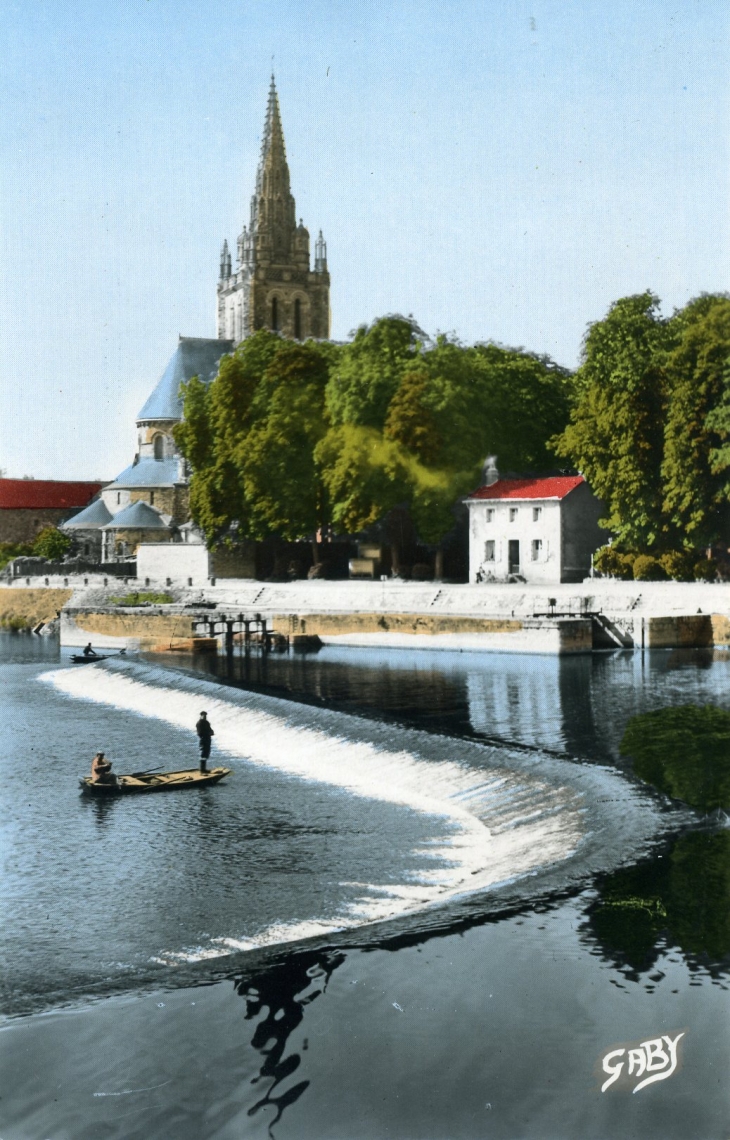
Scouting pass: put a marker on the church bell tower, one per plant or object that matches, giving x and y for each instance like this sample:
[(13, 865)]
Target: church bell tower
[(273, 285)]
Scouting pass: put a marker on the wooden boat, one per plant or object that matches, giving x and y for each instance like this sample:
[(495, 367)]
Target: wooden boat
[(140, 782), (80, 659)]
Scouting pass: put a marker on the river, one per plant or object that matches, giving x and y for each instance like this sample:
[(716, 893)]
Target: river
[(428, 900)]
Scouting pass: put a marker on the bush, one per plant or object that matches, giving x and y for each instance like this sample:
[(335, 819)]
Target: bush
[(144, 599), (52, 544), (613, 563), (648, 569), (705, 570), (11, 550), (678, 564)]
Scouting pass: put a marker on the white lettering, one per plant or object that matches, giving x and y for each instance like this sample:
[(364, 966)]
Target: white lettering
[(614, 1069), (658, 1056), (672, 1059)]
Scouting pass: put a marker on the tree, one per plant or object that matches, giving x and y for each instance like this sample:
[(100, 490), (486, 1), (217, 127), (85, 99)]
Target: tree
[(616, 432), (410, 421), (250, 438), (216, 417), (281, 479), (51, 543), (696, 464), (368, 371), (365, 475)]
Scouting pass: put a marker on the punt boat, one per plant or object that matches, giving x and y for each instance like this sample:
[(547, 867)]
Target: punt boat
[(142, 782)]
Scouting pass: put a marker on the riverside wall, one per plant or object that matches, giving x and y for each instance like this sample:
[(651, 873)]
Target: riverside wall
[(598, 614)]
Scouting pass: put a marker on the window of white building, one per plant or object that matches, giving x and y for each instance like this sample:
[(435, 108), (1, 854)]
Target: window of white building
[(489, 550), (536, 549), (536, 514), (512, 514), (490, 514)]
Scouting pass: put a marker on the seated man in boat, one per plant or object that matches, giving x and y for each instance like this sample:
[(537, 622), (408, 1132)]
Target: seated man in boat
[(204, 730), (88, 651), (101, 770)]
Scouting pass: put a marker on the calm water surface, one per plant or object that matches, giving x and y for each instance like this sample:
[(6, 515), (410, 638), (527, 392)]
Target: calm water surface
[(481, 1017)]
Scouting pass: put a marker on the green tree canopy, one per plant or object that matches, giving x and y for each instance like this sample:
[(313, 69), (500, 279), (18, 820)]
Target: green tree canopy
[(369, 369), (616, 433), (696, 465), (281, 479), (51, 543), (291, 436)]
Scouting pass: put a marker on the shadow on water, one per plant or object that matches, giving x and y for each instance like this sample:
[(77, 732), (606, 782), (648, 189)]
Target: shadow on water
[(683, 751), (284, 991), (681, 901), (571, 705)]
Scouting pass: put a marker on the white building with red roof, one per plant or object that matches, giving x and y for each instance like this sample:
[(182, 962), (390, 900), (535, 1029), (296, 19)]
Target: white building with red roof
[(537, 530)]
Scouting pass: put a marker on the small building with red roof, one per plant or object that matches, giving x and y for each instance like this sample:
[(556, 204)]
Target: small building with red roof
[(532, 529), (27, 506)]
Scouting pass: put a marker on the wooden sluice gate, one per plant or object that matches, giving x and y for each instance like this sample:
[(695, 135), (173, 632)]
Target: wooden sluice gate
[(248, 630)]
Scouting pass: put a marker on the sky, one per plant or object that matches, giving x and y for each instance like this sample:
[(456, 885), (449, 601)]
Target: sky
[(501, 169)]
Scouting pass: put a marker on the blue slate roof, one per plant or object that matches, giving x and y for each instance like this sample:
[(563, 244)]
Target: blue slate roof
[(195, 356), (96, 514), (148, 472), (138, 516)]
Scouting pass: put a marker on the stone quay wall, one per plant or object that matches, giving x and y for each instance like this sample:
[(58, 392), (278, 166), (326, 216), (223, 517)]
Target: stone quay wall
[(568, 619)]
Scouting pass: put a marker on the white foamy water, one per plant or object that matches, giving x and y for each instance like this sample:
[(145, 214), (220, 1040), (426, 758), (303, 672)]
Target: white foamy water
[(492, 825)]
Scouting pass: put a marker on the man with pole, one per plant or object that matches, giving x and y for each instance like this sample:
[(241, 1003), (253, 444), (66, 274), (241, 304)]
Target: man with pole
[(204, 730)]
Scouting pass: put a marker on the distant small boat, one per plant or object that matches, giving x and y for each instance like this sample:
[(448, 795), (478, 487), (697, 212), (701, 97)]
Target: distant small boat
[(141, 782), (87, 658)]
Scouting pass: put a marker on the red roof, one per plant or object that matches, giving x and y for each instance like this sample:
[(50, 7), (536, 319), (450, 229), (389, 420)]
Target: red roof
[(554, 487), (36, 494)]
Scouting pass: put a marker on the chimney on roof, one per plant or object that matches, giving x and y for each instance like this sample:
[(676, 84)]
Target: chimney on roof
[(490, 474)]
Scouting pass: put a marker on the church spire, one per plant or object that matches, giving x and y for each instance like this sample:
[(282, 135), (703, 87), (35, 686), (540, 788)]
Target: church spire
[(273, 211)]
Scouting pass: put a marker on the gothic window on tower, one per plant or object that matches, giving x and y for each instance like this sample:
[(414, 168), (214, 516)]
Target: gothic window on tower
[(298, 319), (159, 446), (274, 314)]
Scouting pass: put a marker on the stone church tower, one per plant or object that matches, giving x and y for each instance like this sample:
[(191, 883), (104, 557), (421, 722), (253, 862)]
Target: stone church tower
[(273, 286)]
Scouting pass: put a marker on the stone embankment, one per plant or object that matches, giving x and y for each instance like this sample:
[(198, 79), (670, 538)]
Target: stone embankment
[(597, 614), (27, 608)]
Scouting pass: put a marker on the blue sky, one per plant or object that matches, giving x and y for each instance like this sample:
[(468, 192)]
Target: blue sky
[(501, 169)]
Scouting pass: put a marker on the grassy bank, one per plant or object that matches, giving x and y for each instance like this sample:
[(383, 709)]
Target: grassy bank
[(23, 609)]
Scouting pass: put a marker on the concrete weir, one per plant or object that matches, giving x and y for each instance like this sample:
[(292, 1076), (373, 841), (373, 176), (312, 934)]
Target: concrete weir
[(600, 615)]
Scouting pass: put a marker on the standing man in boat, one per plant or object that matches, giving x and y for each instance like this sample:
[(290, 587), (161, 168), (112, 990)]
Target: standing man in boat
[(204, 730)]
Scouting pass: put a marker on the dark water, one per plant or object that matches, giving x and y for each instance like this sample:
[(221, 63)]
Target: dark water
[(485, 1021)]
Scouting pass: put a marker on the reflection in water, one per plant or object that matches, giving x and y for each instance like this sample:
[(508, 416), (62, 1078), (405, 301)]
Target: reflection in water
[(683, 751), (681, 900), (574, 704), (283, 990), (102, 807)]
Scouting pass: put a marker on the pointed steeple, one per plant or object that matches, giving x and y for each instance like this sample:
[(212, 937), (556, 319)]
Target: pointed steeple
[(320, 255), (225, 261), (273, 211)]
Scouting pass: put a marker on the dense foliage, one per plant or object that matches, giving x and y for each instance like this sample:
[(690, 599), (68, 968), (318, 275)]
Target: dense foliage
[(11, 550), (49, 543), (291, 437), (684, 751), (52, 544), (650, 428)]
